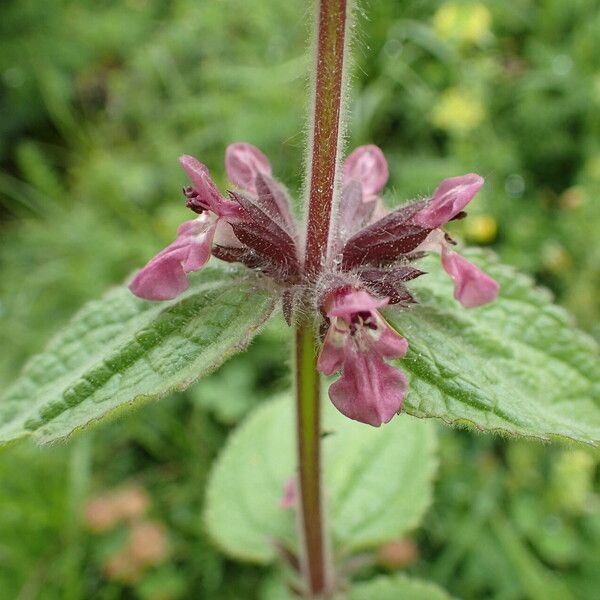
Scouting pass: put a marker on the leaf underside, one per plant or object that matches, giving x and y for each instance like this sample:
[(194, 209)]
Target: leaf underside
[(377, 482), (514, 366), (121, 350)]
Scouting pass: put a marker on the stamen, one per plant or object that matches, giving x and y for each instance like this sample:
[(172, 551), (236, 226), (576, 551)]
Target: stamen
[(193, 201)]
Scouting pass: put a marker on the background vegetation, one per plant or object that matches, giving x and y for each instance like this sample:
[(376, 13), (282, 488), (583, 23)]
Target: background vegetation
[(98, 100)]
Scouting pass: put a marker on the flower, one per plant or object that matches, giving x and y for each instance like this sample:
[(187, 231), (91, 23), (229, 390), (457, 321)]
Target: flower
[(364, 174), (165, 275), (448, 200), (290, 494), (243, 162), (254, 227), (367, 166), (370, 261), (357, 342), (402, 235), (472, 286)]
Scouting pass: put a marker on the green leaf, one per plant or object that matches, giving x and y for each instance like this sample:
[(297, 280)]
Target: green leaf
[(396, 587), (377, 481), (515, 366), (121, 350), (392, 587)]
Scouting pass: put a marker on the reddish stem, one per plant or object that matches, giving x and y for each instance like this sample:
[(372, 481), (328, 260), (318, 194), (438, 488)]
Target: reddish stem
[(329, 68), (332, 20), (315, 559)]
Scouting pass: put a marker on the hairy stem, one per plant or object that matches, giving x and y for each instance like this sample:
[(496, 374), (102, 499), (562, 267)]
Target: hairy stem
[(332, 22), (315, 562), (331, 44)]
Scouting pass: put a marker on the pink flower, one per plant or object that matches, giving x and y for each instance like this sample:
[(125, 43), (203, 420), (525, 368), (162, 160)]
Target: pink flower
[(357, 342), (204, 195), (255, 228), (472, 286), (243, 162), (365, 173), (289, 498), (165, 276), (368, 166), (448, 200)]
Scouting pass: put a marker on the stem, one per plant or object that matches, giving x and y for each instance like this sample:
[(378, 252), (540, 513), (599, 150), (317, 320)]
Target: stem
[(326, 134), (308, 409), (332, 22)]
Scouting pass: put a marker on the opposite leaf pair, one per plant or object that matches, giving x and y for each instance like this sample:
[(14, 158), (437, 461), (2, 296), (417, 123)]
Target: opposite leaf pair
[(368, 264)]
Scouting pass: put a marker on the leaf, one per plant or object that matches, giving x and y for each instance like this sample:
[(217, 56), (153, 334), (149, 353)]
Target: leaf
[(392, 587), (377, 481), (515, 366), (121, 349), (397, 587)]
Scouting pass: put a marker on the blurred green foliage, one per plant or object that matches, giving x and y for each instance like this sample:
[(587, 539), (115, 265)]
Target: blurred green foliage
[(98, 100)]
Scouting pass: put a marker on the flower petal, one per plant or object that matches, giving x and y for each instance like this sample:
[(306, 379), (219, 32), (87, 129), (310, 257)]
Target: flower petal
[(449, 199), (161, 279), (354, 212), (345, 302), (243, 162), (198, 251), (224, 235), (200, 177), (390, 344), (368, 166), (370, 391), (332, 354), (164, 276), (472, 286)]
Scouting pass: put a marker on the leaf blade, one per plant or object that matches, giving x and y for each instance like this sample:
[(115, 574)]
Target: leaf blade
[(365, 481), (122, 349), (515, 366), (396, 587)]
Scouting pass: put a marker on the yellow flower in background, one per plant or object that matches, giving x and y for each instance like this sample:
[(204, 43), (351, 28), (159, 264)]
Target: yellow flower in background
[(467, 23), (457, 111), (482, 229), (592, 167), (573, 197), (555, 257)]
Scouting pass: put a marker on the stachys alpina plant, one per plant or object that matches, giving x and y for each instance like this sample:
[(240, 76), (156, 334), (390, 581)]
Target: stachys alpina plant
[(357, 283), (372, 255)]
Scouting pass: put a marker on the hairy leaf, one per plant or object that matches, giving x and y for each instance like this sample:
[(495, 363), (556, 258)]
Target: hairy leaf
[(377, 482), (516, 365), (122, 349)]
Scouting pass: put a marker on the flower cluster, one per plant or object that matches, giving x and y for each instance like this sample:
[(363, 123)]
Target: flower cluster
[(253, 226), (370, 260)]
